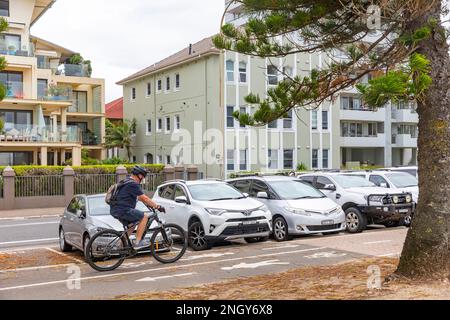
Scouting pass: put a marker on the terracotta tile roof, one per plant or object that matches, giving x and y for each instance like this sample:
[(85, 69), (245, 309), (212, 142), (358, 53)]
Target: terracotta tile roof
[(200, 48), (114, 109)]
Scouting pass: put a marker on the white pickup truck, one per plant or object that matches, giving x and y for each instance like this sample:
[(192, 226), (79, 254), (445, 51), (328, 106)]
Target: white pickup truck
[(362, 201)]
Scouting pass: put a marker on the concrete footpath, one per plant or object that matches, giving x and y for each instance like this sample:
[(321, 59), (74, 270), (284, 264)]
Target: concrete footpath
[(30, 213)]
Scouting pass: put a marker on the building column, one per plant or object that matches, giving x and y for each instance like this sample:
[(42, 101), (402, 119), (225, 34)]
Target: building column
[(55, 158), (76, 156), (43, 156), (64, 124), (55, 128), (63, 156), (35, 157)]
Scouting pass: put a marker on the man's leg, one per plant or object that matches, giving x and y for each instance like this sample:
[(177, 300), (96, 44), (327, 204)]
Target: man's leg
[(141, 228)]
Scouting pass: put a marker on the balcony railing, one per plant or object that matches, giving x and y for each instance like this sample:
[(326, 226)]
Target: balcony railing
[(89, 139), (72, 70), (57, 93), (37, 134), (11, 49)]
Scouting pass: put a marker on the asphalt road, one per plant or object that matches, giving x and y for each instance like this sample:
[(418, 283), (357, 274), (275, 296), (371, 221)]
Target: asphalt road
[(35, 269)]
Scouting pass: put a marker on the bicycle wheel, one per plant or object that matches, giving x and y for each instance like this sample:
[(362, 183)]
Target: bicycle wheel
[(168, 244), (106, 250)]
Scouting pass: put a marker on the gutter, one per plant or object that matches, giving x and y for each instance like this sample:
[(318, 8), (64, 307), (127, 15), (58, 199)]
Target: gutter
[(43, 12)]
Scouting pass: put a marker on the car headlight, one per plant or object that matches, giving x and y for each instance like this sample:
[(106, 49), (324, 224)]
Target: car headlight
[(375, 198), (297, 211), (264, 208), (395, 199), (408, 198), (215, 212)]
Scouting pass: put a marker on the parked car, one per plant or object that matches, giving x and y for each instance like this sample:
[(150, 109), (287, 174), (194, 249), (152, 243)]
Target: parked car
[(362, 201), (84, 217), (212, 210), (297, 208), (412, 170)]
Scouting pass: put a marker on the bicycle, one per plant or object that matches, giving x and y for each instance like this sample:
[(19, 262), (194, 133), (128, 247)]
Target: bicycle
[(168, 243)]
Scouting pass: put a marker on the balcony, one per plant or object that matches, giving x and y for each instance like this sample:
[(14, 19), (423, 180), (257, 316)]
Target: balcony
[(405, 115), (404, 141), (364, 141), (16, 49), (56, 93), (40, 134), (72, 70), (377, 115), (89, 139)]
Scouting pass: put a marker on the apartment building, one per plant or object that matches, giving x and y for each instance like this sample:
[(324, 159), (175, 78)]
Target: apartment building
[(52, 109)]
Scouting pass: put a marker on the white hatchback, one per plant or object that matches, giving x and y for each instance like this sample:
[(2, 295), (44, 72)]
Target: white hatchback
[(211, 210)]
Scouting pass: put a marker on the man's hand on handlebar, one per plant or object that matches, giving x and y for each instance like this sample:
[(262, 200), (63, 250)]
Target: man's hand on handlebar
[(161, 209)]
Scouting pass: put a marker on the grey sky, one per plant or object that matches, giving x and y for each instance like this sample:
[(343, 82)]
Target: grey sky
[(122, 37)]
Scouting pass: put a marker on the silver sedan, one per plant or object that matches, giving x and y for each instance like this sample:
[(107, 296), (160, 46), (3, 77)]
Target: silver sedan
[(84, 217)]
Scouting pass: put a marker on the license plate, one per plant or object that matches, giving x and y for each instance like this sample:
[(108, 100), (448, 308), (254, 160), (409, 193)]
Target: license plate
[(403, 210), (327, 222), (249, 222)]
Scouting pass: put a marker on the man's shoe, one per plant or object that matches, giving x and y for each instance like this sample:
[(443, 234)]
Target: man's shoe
[(141, 245)]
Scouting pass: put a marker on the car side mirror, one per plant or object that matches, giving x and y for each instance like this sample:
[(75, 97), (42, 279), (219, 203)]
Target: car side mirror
[(245, 194), (330, 187), (181, 199), (262, 195), (383, 185)]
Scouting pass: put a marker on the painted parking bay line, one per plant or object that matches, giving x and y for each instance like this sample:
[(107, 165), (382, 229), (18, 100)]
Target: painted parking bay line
[(282, 247), (150, 279), (376, 242), (121, 274), (27, 224), (28, 241), (255, 265)]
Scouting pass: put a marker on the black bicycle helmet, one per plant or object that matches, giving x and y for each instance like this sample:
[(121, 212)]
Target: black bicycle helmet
[(138, 170)]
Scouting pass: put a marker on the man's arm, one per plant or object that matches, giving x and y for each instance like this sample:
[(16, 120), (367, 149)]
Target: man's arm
[(149, 202)]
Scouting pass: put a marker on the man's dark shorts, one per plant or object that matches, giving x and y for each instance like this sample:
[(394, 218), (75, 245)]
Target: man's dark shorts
[(131, 217)]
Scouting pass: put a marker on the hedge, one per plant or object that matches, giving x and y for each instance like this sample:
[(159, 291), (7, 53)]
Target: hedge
[(94, 169)]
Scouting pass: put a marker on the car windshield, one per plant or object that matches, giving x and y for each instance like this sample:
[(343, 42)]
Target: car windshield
[(402, 180), (352, 181), (98, 206), (295, 189), (412, 172), (214, 192)]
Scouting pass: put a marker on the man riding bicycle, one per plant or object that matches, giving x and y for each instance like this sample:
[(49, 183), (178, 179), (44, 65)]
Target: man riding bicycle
[(124, 208)]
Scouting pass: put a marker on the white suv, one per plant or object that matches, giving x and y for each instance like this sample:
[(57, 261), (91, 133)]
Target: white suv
[(210, 210), (362, 201)]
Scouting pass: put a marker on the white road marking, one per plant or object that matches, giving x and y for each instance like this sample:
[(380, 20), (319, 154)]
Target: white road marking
[(36, 268), (282, 247), (255, 265), (27, 224), (207, 255), (22, 250), (27, 241), (148, 279), (388, 255), (121, 274), (65, 255), (31, 217), (330, 254), (375, 242)]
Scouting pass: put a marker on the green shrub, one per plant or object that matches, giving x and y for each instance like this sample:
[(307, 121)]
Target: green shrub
[(302, 167), (115, 160)]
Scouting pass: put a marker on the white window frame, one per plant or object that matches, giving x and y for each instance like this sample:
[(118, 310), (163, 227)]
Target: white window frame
[(328, 158), (159, 159), (167, 90), (243, 73), (176, 123), (328, 120), (147, 131), (271, 159), (314, 120), (245, 153), (158, 126), (229, 71), (158, 90), (232, 152), (177, 85), (271, 75), (167, 130)]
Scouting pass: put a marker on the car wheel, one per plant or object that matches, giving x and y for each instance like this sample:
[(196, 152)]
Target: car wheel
[(406, 221), (256, 239), (356, 221), (196, 237), (62, 242), (393, 223), (280, 230), (85, 242)]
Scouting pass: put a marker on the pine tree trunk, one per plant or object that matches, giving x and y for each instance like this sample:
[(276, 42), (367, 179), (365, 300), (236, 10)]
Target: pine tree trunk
[(426, 251)]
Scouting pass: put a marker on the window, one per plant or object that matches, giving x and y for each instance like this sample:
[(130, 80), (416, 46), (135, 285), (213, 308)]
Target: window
[(378, 180), (322, 182), (230, 118), (133, 159), (230, 160), (168, 160), (167, 192), (307, 179), (167, 83), (372, 129), (242, 186), (159, 85), (10, 44), (288, 158), (13, 81), (79, 101), (177, 122), (324, 120), (230, 70), (179, 192), (259, 186), (159, 125), (242, 110), (243, 160), (287, 73), (149, 158), (149, 89), (272, 75), (273, 159), (242, 72), (314, 120), (4, 8), (149, 127), (273, 124), (351, 103), (133, 94), (177, 81), (168, 124), (159, 159), (16, 119), (287, 122), (42, 87), (325, 158), (315, 158), (16, 158)]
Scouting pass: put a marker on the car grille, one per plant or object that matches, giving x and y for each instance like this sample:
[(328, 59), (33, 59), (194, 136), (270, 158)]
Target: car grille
[(323, 228), (245, 219), (245, 229), (401, 199)]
